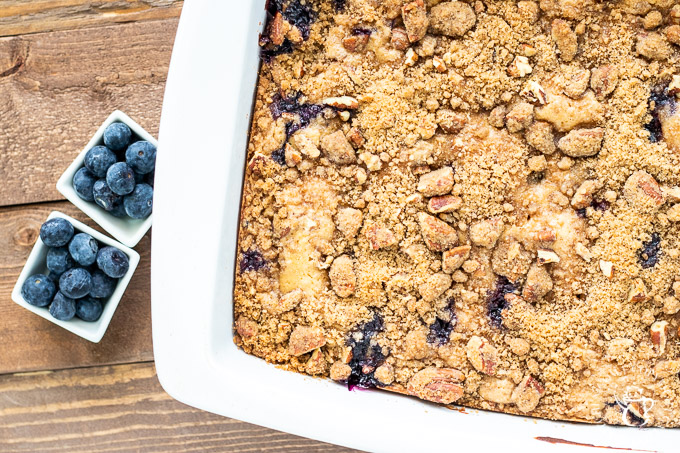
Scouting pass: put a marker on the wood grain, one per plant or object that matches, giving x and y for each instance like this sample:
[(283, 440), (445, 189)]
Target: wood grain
[(30, 342), (57, 88), (22, 17), (122, 409)]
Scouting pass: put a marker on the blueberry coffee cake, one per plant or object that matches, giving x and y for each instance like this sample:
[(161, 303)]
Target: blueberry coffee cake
[(470, 202)]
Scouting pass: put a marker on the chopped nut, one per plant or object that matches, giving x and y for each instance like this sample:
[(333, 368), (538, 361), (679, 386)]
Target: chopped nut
[(659, 335), (337, 149), (447, 203), (540, 136), (534, 93), (607, 268), (316, 364), (278, 29), (527, 50), (342, 276), (451, 19), (439, 385), (653, 46), (450, 121), (304, 339), (652, 20), (438, 64), (486, 232), (344, 115), (527, 394), (292, 155), (584, 194), (245, 327), (637, 292), (355, 43), (519, 346), (496, 390), (546, 256), (643, 192), (454, 258), (380, 237), (349, 221), (414, 15), (340, 371), (434, 286), (421, 152), (438, 182), (287, 302), (582, 142), (355, 137), (519, 67), (410, 58), (399, 39), (482, 355), (384, 374), (537, 163), (438, 236), (537, 285), (566, 113), (519, 117), (577, 84), (603, 81), (583, 252), (673, 34), (565, 38), (342, 102), (497, 116), (666, 368)]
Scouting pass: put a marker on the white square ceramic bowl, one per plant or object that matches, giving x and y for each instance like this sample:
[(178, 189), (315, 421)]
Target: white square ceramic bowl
[(126, 230), (36, 264), (207, 109)]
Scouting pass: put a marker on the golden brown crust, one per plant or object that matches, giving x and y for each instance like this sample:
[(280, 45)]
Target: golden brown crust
[(471, 201)]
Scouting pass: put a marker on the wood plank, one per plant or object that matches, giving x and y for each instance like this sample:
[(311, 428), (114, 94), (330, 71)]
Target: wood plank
[(122, 409), (57, 88), (18, 17), (30, 342)]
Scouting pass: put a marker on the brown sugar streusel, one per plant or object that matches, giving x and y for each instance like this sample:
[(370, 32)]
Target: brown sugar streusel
[(469, 202)]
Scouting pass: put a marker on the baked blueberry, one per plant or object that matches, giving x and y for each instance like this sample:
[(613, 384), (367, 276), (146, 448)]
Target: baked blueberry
[(496, 302), (102, 285), (104, 196), (650, 253), (367, 354), (99, 159), (83, 181), (75, 283), (62, 308), (59, 260), (83, 249), (252, 260), (141, 156), (113, 262), (117, 136), (88, 309), (139, 203), (56, 232), (38, 290), (120, 178)]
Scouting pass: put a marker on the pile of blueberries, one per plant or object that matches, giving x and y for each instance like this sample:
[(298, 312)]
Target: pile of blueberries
[(119, 176), (82, 273)]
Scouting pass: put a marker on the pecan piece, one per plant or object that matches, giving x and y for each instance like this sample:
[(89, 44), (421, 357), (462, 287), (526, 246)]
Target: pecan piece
[(438, 236), (342, 102), (482, 355), (659, 335), (643, 192), (245, 327), (342, 276), (438, 182), (400, 39), (439, 385), (577, 84), (355, 137), (414, 15), (380, 237), (316, 364), (537, 285), (451, 122), (638, 291), (582, 142), (454, 258), (447, 203), (584, 194), (287, 302), (603, 81), (452, 19), (304, 339), (527, 394)]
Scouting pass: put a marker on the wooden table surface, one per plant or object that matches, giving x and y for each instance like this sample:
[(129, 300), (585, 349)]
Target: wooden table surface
[(64, 66)]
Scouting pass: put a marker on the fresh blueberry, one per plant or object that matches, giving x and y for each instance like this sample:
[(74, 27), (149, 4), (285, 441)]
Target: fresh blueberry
[(139, 203), (113, 262), (98, 160), (63, 308), (118, 210), (117, 136), (75, 283), (38, 290), (56, 232), (120, 178), (59, 260), (102, 285), (83, 249), (83, 181), (104, 196), (88, 309), (141, 156)]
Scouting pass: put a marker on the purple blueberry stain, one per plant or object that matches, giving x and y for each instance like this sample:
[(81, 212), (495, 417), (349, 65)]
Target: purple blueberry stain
[(650, 253), (659, 99), (440, 329), (600, 205), (300, 15), (304, 113), (252, 260), (367, 354), (296, 13), (496, 302), (339, 5)]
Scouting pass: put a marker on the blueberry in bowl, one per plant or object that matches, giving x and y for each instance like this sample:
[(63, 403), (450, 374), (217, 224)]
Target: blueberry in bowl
[(141, 156), (113, 262), (56, 232), (139, 203), (117, 136), (83, 182), (120, 178), (38, 290), (98, 160), (62, 308), (83, 249)]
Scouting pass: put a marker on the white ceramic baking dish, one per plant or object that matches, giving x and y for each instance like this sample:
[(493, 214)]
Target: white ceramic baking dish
[(203, 135)]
